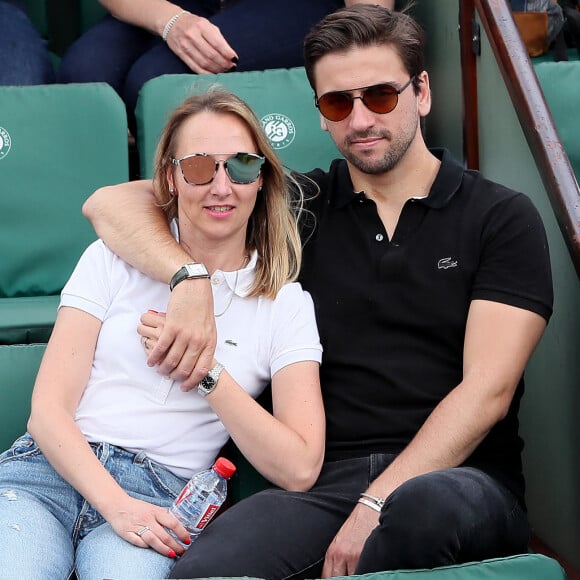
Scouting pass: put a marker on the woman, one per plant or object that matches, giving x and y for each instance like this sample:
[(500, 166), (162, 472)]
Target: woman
[(110, 442)]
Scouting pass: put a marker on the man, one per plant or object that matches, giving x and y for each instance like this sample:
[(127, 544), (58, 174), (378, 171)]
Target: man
[(432, 288)]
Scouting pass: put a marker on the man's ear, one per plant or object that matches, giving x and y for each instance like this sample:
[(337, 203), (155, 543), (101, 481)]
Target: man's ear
[(424, 96), (323, 123)]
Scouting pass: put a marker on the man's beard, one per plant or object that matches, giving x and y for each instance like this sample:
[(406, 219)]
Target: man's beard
[(372, 166)]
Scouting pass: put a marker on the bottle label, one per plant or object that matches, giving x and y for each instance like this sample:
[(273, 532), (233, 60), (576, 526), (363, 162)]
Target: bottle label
[(206, 517), (185, 493)]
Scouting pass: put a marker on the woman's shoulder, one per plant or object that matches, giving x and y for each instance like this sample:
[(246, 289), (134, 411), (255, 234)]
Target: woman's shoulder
[(292, 296)]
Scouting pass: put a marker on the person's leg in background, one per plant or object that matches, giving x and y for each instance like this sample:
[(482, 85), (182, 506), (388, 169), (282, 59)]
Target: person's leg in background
[(104, 53), (24, 57)]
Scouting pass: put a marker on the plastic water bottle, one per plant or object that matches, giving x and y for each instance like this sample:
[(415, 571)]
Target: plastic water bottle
[(203, 496)]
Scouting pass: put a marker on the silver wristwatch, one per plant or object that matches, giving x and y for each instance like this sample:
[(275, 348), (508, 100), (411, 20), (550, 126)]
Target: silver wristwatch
[(209, 382), (188, 271)]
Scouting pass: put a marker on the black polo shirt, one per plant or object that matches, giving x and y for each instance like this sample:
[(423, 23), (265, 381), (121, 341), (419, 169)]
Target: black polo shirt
[(392, 312)]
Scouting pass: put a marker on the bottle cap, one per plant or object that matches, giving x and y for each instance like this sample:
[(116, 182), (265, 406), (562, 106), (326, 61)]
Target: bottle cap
[(224, 467)]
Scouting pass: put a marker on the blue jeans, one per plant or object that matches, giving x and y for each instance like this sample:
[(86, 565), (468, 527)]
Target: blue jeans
[(264, 33), (49, 530), (445, 517), (24, 57)]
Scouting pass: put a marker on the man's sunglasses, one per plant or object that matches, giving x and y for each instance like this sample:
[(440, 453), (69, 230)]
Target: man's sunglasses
[(201, 168), (337, 105)]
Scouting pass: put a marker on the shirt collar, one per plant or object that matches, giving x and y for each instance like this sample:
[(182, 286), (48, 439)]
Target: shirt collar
[(245, 276), (447, 182)]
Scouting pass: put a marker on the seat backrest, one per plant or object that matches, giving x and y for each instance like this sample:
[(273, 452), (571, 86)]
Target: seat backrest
[(560, 82), (58, 143), (91, 11), (281, 98), (18, 367)]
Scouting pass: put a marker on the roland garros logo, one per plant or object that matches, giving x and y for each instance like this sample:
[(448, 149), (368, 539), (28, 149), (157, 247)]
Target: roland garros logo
[(279, 129), (5, 143)]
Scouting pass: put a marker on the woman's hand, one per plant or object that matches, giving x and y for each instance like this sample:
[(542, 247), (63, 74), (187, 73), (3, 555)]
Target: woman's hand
[(201, 45), (146, 525)]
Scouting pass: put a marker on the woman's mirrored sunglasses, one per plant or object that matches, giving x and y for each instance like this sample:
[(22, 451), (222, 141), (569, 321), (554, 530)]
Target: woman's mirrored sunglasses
[(201, 168), (383, 98)]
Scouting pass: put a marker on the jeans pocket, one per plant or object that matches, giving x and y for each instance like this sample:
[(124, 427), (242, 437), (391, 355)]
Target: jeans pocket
[(22, 448), (166, 482)]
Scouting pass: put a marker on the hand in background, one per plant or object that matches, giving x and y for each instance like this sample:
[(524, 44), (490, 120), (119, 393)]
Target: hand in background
[(200, 45)]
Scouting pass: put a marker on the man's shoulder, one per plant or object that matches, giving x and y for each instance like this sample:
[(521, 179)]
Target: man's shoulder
[(322, 177)]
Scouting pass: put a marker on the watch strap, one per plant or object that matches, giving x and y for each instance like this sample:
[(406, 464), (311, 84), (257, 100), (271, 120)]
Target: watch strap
[(209, 382), (188, 272)]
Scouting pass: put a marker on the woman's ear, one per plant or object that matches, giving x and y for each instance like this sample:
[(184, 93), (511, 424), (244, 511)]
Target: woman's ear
[(170, 182)]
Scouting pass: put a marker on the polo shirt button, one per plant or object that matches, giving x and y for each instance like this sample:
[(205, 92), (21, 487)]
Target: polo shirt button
[(215, 280), (379, 237)]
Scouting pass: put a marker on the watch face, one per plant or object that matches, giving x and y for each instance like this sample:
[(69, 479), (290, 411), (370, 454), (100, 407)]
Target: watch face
[(207, 382), (196, 270)]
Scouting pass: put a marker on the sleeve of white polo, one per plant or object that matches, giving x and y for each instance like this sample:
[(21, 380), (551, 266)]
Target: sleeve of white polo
[(88, 288), (294, 331)]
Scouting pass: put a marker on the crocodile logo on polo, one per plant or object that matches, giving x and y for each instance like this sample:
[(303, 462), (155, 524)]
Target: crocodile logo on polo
[(279, 129), (5, 143)]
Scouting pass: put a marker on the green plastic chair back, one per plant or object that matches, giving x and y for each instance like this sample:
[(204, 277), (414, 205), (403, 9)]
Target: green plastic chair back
[(560, 82), (91, 11), (58, 143), (18, 367), (281, 98), (37, 10), (520, 567)]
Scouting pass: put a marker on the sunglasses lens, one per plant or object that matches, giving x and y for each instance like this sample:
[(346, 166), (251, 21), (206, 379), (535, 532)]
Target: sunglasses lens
[(381, 98), (244, 167), (335, 106), (198, 169)]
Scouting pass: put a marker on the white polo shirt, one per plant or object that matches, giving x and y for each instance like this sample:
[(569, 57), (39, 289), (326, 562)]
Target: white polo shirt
[(128, 404)]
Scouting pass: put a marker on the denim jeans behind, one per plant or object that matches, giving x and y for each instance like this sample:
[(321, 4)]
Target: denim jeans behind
[(24, 57), (48, 529)]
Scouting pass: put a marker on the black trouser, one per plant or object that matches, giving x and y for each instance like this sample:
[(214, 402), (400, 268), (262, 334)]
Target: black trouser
[(445, 517)]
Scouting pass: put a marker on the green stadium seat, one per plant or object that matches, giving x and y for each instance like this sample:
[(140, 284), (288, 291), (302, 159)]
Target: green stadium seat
[(58, 143), (281, 98), (560, 82), (520, 567), (37, 10), (91, 11), (18, 367)]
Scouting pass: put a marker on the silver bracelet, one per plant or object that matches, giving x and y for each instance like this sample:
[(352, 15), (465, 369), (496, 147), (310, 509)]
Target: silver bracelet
[(370, 504), (378, 501), (170, 24)]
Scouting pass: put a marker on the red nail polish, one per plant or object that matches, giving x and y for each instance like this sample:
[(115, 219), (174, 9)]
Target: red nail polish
[(153, 311), (187, 542), (172, 554)]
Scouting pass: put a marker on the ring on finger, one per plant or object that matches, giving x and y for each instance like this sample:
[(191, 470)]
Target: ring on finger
[(142, 530)]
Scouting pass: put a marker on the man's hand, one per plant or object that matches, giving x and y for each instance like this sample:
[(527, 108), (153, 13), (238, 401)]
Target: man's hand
[(344, 552), (182, 341), (200, 45)]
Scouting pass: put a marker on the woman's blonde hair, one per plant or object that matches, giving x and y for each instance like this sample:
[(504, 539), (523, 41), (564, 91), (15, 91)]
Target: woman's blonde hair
[(272, 227)]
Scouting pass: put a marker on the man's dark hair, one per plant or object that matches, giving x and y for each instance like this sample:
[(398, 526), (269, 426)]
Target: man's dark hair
[(364, 25)]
